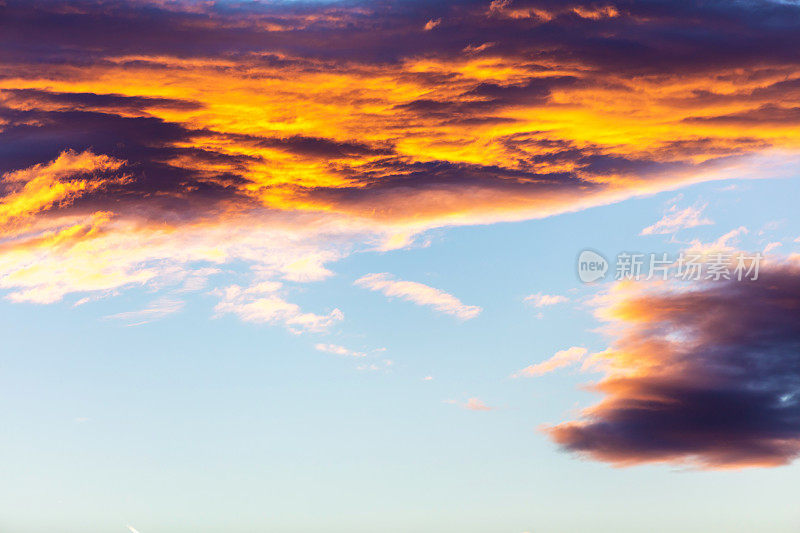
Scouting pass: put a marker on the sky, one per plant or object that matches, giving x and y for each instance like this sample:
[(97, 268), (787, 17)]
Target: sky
[(314, 266)]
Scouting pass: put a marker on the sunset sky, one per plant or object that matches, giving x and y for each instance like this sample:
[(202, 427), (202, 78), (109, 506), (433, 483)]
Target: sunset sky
[(311, 266)]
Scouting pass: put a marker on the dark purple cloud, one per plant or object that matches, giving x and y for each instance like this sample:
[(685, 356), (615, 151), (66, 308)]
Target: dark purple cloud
[(529, 106), (708, 377)]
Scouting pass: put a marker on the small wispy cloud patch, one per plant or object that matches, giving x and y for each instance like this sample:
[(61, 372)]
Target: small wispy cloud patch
[(561, 359), (338, 350), (154, 311), (432, 24), (676, 219), (419, 294), (725, 243), (472, 404), (474, 49), (384, 365), (545, 300), (476, 404), (262, 303)]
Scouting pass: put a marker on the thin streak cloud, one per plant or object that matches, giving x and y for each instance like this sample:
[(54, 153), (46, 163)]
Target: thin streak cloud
[(545, 300), (419, 294), (561, 359)]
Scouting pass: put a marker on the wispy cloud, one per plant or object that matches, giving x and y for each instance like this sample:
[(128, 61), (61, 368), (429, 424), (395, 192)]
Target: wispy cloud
[(676, 219), (476, 404), (39, 187), (432, 24), (384, 365), (472, 404), (544, 300), (338, 350), (561, 359), (419, 294), (725, 243), (155, 310), (262, 303)]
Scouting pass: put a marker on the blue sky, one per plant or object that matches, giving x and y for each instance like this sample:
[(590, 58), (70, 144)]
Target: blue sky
[(189, 423)]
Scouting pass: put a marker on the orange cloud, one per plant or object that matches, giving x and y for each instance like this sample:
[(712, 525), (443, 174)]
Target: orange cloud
[(287, 136), (57, 183), (559, 360), (476, 404)]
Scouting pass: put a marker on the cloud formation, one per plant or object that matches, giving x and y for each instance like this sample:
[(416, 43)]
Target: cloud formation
[(707, 377), (476, 404), (56, 183), (472, 404), (338, 350), (419, 294), (141, 139), (545, 300), (262, 303), (676, 219), (559, 360), (155, 310)]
